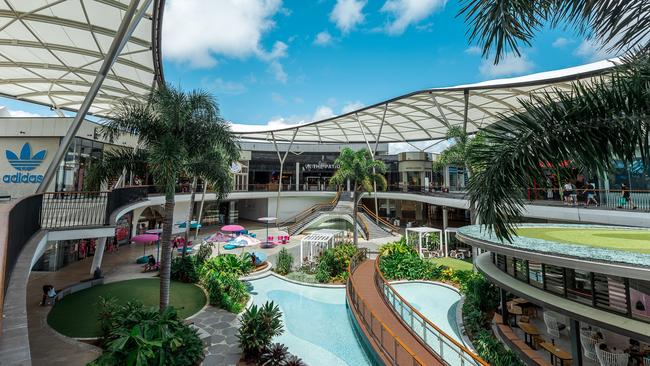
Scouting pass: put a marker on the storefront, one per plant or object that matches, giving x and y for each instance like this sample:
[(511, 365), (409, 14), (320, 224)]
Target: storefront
[(59, 254)]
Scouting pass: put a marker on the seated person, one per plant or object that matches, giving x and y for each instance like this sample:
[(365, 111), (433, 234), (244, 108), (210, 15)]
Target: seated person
[(98, 274), (49, 294), (151, 263)]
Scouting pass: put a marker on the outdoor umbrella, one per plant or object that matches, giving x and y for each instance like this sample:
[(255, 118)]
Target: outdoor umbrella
[(267, 219), (231, 229), (145, 238)]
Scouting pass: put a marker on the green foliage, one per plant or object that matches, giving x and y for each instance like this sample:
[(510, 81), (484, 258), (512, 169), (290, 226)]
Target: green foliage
[(361, 169), (226, 291), (275, 355), (185, 269), (333, 263), (204, 252), (493, 351), (396, 247), (133, 335), (409, 266), (480, 292), (227, 264), (258, 327), (285, 262)]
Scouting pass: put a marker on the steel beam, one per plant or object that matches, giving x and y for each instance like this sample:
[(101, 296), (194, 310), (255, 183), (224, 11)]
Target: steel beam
[(127, 27)]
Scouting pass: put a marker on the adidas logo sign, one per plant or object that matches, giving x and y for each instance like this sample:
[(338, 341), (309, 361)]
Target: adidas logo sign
[(24, 163)]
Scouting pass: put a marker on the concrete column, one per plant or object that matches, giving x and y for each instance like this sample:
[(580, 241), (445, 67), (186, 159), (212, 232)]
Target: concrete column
[(503, 297), (576, 351), (134, 220), (233, 214), (445, 224), (99, 254), (446, 177), (348, 188), (297, 176)]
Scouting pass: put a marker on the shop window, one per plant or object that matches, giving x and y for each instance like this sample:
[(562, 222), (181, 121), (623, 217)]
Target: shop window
[(579, 286), (501, 262), (535, 277), (510, 264), (521, 270), (640, 299), (609, 292), (554, 279)]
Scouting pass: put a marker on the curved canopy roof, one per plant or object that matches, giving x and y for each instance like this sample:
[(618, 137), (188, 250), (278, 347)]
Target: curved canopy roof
[(51, 50), (427, 114)]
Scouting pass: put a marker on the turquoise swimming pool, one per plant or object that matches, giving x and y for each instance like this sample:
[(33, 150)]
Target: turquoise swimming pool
[(317, 327)]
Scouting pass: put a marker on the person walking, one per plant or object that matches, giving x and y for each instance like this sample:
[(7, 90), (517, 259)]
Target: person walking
[(625, 197)]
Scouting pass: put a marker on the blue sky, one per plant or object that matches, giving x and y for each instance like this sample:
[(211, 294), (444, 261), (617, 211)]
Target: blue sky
[(282, 62)]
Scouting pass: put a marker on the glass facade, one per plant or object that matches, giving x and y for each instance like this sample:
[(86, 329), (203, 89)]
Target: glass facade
[(625, 296), (74, 167)]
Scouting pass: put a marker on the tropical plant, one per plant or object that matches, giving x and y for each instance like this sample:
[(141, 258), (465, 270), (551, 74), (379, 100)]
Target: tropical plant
[(396, 247), (225, 290), (285, 262), (227, 264), (500, 26), (258, 327), (364, 172), (204, 252), (134, 335), (333, 263), (493, 351), (591, 125), (294, 360), (275, 355), (185, 269), (175, 129)]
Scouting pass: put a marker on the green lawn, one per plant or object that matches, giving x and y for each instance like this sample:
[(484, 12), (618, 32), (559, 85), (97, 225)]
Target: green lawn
[(637, 241), (453, 263), (76, 315)]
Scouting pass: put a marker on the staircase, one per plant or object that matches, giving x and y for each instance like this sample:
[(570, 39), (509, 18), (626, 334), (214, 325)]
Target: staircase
[(341, 206)]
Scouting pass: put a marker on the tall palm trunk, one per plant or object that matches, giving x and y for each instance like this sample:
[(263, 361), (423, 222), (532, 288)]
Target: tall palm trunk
[(190, 212), (355, 233), (198, 219), (166, 251), (473, 217)]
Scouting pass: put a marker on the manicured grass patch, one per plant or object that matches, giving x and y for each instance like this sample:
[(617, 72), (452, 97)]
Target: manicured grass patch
[(637, 241), (76, 315), (453, 263)]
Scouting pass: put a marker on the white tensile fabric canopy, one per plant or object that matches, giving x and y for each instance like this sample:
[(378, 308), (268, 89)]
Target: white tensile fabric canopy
[(428, 114), (50, 52)]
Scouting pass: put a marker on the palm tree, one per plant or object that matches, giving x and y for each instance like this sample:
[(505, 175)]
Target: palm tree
[(363, 171), (591, 125), (174, 129), (500, 26)]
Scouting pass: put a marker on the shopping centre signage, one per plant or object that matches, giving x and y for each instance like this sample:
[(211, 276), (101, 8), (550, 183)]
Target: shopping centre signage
[(24, 163)]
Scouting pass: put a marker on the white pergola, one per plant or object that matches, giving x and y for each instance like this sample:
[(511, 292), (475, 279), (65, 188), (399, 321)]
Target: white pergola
[(421, 231), (320, 239)]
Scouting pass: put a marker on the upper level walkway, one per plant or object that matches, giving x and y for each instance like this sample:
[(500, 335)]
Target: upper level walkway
[(392, 340)]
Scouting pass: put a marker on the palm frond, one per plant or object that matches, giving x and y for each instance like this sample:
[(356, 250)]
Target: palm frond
[(590, 125)]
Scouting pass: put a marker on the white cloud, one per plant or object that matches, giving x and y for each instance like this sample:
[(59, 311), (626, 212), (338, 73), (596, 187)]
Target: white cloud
[(507, 66), (352, 106), (562, 42), (474, 50), (221, 86), (6, 112), (196, 32), (323, 39), (277, 70), (347, 14), (323, 112), (399, 147), (406, 12), (592, 50)]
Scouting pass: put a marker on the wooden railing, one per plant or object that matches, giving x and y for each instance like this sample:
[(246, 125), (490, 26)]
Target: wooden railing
[(383, 221), (390, 345), (437, 340), (364, 226)]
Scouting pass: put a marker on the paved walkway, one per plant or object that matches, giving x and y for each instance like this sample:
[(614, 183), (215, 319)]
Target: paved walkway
[(223, 327), (363, 279)]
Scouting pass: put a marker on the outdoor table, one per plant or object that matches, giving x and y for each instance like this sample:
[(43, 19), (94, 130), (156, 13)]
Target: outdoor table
[(530, 331), (556, 353), (515, 310)]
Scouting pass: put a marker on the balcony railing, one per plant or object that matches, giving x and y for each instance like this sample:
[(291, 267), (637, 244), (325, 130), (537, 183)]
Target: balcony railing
[(436, 339), (391, 346)]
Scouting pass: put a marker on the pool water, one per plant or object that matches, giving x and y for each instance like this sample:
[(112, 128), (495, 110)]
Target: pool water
[(436, 302), (317, 327)]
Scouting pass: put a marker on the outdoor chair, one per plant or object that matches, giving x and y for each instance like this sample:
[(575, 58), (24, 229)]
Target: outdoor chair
[(646, 361), (553, 327), (589, 346), (606, 358), (269, 239)]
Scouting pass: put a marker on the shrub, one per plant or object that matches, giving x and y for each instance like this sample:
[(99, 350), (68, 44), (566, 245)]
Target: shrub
[(226, 291), (397, 247), (322, 275), (409, 266), (227, 264), (493, 351), (285, 262), (204, 252), (333, 263), (258, 327), (135, 335), (185, 269)]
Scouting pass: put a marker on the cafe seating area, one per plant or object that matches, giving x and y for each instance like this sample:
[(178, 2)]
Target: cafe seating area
[(546, 339)]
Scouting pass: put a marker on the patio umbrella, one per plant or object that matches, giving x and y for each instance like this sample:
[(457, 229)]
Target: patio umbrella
[(267, 219), (145, 238), (217, 238), (232, 228)]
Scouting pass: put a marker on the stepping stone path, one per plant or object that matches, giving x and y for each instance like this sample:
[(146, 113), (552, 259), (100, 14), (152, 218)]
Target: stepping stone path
[(222, 345)]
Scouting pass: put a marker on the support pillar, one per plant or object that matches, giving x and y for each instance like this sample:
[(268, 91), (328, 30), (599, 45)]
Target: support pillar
[(445, 224), (297, 176), (576, 352), (99, 255), (503, 298)]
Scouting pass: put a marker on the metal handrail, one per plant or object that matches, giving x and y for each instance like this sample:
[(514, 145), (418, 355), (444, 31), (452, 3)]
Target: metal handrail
[(364, 226), (359, 304), (381, 219), (390, 295)]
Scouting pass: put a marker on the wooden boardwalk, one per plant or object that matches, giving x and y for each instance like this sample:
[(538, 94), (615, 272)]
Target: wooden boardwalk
[(363, 280)]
